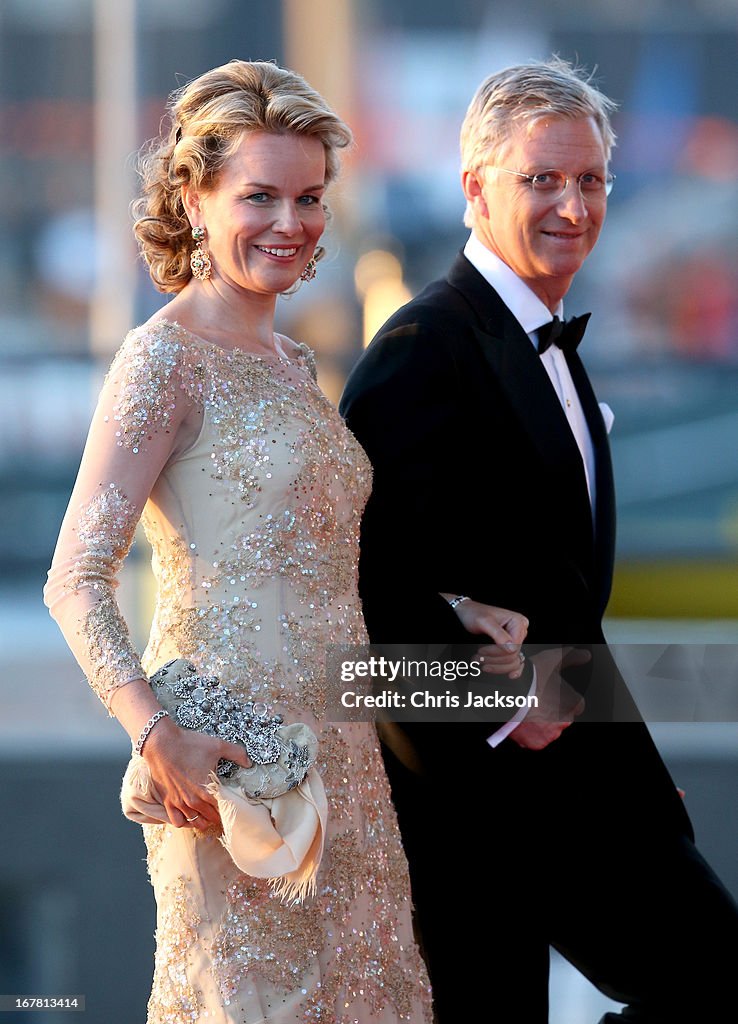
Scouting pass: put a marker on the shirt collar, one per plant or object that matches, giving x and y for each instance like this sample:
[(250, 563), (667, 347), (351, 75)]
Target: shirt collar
[(524, 304)]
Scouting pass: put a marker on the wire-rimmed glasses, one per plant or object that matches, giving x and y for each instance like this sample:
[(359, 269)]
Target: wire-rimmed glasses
[(553, 184)]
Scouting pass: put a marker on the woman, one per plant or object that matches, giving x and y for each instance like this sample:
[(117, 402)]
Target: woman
[(211, 428)]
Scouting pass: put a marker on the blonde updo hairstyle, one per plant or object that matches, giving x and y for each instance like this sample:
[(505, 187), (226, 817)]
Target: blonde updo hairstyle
[(207, 119)]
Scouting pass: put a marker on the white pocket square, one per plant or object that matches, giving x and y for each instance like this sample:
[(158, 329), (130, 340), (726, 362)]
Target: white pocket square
[(607, 415)]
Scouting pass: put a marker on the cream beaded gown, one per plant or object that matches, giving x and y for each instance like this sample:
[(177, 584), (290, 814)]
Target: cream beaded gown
[(251, 491)]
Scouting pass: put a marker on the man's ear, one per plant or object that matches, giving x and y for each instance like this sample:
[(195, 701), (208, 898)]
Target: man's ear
[(471, 183)]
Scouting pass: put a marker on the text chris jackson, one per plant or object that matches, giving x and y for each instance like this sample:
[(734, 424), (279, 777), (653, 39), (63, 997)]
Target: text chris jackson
[(426, 699)]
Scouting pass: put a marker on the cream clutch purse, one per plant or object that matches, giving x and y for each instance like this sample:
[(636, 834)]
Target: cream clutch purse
[(274, 813)]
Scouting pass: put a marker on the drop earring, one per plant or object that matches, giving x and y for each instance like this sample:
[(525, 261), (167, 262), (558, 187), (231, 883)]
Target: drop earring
[(310, 270), (200, 258)]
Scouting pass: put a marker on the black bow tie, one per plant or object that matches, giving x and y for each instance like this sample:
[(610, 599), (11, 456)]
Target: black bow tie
[(565, 333)]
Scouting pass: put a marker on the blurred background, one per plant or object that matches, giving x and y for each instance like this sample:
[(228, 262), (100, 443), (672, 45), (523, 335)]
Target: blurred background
[(82, 84)]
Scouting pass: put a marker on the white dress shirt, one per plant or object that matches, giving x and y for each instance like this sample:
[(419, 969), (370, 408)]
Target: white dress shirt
[(531, 313)]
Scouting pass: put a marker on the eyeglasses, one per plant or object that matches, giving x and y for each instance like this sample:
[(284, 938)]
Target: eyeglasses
[(553, 184)]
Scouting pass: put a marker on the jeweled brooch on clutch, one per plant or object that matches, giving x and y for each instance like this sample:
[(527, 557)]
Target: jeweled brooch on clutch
[(281, 755)]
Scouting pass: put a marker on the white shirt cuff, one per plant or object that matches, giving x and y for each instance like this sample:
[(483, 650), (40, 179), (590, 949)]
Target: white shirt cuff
[(504, 731)]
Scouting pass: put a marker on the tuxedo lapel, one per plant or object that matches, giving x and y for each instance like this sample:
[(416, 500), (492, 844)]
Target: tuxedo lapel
[(517, 369), (604, 483)]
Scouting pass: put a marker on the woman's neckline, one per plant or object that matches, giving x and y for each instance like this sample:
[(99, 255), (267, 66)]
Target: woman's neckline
[(278, 353)]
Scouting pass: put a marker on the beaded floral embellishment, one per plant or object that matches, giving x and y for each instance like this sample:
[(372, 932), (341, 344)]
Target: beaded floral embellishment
[(282, 755)]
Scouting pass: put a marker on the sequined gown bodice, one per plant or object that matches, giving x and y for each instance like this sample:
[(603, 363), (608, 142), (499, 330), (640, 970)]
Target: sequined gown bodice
[(250, 489), (257, 569)]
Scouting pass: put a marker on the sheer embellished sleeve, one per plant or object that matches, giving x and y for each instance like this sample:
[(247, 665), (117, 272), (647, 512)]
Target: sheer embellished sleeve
[(144, 418)]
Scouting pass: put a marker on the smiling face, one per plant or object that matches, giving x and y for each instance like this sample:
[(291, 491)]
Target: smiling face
[(264, 217), (544, 241)]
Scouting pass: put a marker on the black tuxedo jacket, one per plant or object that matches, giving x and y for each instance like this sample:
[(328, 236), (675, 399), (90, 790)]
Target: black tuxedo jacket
[(479, 489)]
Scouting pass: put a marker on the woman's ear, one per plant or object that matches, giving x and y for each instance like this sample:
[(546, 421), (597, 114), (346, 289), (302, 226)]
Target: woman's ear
[(191, 203)]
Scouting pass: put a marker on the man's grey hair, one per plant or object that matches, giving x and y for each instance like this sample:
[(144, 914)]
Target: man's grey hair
[(522, 95)]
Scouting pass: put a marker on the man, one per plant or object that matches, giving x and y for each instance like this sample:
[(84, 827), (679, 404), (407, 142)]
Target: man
[(493, 485)]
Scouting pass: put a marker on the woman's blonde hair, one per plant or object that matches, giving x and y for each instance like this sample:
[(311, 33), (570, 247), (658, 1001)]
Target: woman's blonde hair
[(207, 119)]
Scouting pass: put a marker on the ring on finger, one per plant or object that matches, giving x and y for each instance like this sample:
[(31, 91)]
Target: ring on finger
[(192, 818), (521, 656)]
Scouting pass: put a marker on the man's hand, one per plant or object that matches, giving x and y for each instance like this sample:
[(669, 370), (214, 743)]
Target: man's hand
[(558, 703)]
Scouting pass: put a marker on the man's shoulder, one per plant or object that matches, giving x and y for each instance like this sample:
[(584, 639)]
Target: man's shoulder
[(427, 339), (440, 311), (417, 343)]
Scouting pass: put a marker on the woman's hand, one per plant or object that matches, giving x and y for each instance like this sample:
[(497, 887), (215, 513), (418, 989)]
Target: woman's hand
[(180, 762), (508, 630)]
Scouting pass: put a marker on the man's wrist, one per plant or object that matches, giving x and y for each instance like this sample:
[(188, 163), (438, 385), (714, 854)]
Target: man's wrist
[(530, 678)]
